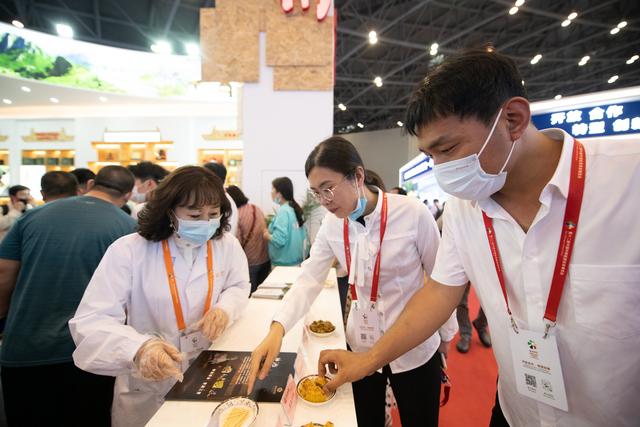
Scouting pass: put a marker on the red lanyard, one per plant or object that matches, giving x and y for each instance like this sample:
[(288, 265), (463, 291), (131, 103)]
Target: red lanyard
[(177, 307), (347, 253), (567, 239)]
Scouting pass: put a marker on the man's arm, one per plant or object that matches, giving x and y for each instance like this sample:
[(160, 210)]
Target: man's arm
[(8, 274), (412, 328)]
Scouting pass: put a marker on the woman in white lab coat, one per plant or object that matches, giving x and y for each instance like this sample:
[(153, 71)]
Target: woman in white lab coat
[(160, 296), (368, 228)]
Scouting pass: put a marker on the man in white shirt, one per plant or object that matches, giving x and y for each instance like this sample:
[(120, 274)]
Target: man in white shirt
[(513, 184), (221, 172)]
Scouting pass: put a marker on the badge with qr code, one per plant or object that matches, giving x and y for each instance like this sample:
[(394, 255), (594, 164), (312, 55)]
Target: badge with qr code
[(536, 363)]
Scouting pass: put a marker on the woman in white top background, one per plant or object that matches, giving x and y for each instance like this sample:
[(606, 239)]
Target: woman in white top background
[(160, 296), (405, 231)]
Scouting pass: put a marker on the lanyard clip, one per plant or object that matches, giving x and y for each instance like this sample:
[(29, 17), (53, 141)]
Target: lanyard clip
[(514, 325), (373, 306), (548, 324)]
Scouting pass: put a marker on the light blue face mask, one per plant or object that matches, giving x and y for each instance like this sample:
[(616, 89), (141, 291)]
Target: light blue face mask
[(197, 232), (360, 206)]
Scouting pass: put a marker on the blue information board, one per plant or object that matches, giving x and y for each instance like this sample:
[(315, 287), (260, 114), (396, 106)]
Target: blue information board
[(601, 120)]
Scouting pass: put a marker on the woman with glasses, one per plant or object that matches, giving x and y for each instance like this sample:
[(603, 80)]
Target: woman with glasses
[(387, 243), (286, 234), (160, 296)]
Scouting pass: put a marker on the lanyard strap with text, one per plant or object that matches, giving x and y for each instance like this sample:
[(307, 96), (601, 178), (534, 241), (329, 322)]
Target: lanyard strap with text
[(171, 277), (347, 253), (567, 240)]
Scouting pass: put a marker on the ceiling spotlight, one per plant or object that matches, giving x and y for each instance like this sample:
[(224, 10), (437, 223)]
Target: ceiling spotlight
[(522, 82), (519, 3), (566, 23), (342, 107), (17, 23), (622, 24), (558, 96), (399, 123), (612, 79), (7, 101), (64, 30), (162, 47), (584, 60), (572, 16), (54, 100), (360, 125), (513, 10), (433, 51), (192, 49), (536, 59), (373, 37), (614, 31), (378, 81), (103, 99), (633, 59), (25, 89)]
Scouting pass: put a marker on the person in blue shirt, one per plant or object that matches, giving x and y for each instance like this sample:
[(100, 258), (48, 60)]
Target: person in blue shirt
[(286, 235)]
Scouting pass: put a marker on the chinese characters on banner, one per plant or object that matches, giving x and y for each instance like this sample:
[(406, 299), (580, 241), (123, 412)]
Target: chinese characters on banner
[(602, 120)]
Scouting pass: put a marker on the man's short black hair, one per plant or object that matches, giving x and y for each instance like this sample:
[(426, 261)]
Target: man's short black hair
[(15, 189), (59, 184), (83, 175), (474, 83), (218, 169), (114, 180), (147, 170)]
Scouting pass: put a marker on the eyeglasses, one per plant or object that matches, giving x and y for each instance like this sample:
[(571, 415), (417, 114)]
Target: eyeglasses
[(326, 194)]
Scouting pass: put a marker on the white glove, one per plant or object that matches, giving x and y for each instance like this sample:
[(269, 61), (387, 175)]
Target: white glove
[(213, 323), (158, 360)]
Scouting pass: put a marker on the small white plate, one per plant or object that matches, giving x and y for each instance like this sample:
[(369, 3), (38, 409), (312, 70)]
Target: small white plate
[(306, 401), (320, 334), (219, 414)]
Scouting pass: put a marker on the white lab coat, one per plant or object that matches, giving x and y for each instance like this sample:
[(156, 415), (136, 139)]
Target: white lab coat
[(128, 301)]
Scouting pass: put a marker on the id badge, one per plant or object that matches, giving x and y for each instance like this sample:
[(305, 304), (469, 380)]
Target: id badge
[(536, 363), (192, 342), (366, 321)]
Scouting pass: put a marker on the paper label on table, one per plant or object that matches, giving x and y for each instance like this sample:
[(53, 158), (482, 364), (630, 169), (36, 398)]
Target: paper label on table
[(300, 364), (536, 363), (366, 323), (289, 400)]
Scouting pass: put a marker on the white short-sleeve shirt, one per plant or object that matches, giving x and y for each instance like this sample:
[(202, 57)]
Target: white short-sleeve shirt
[(598, 325)]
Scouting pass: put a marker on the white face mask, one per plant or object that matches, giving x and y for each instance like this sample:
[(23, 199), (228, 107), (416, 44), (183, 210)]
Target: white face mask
[(465, 178), (137, 196)]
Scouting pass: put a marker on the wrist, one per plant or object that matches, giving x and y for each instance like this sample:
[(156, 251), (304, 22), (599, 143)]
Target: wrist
[(277, 329), (371, 362)]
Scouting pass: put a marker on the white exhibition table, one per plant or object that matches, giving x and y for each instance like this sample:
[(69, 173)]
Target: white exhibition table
[(248, 332)]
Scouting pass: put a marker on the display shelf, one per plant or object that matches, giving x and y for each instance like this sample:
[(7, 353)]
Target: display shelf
[(231, 159), (131, 153), (53, 160)]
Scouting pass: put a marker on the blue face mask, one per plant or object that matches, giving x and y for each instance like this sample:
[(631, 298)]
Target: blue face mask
[(359, 210), (197, 232)]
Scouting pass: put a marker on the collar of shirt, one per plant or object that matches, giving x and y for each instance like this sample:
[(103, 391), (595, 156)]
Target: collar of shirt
[(559, 180)]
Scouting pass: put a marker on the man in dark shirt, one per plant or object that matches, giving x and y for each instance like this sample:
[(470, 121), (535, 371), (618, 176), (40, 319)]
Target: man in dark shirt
[(46, 262)]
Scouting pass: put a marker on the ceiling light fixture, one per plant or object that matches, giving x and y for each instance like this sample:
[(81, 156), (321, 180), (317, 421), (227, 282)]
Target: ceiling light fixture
[(342, 107), (378, 81), (614, 31), (103, 99), (25, 89), (566, 23), (7, 101), (536, 59), (54, 100), (584, 60), (558, 96), (373, 37), (433, 50), (519, 3), (64, 30), (161, 47), (360, 125), (399, 123), (633, 59), (612, 79), (513, 10), (572, 16), (622, 24), (17, 23), (192, 49)]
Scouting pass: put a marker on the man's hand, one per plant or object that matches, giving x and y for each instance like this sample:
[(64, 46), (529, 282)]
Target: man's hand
[(444, 347), (264, 355), (345, 366)]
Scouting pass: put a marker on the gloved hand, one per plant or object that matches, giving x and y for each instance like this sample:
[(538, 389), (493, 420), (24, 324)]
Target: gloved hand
[(158, 360), (213, 323)]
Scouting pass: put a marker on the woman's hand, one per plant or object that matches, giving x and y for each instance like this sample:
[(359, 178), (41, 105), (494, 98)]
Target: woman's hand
[(264, 354), (158, 360), (213, 323)]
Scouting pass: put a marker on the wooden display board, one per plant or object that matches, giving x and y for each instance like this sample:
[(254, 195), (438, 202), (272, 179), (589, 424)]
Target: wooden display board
[(131, 153), (53, 160)]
